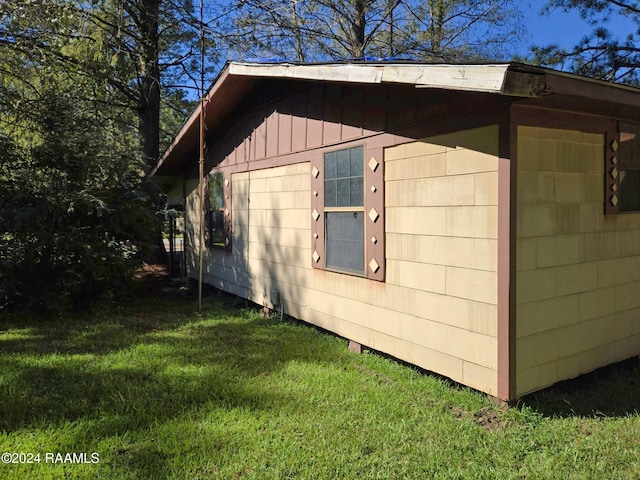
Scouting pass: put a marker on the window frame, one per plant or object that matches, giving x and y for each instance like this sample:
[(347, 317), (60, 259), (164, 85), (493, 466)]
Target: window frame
[(338, 208), (628, 155), (224, 210)]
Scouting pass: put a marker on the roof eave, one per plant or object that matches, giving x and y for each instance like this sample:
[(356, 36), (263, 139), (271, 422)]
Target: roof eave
[(509, 79), (481, 78)]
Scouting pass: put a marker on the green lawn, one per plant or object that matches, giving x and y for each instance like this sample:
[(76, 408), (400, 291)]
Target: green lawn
[(157, 392)]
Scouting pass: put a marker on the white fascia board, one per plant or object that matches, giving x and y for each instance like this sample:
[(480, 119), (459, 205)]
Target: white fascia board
[(477, 78), (320, 72)]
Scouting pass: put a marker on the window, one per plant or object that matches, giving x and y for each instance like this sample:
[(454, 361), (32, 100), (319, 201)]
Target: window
[(217, 216), (629, 175), (347, 211), (344, 210)]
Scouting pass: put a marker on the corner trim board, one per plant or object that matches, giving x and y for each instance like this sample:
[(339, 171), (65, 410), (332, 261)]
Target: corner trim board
[(507, 217)]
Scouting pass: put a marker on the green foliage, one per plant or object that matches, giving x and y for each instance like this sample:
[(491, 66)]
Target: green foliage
[(80, 125), (141, 52), (74, 219)]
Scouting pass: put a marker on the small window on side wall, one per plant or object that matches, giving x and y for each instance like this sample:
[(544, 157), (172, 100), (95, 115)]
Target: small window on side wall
[(348, 211), (344, 210), (629, 170), (217, 222)]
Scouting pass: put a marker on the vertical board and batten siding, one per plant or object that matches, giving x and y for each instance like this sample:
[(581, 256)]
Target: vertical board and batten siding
[(309, 118), (437, 308), (277, 124), (578, 271)]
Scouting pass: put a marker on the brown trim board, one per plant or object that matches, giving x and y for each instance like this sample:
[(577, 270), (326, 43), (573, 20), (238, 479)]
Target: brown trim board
[(317, 214), (375, 230), (611, 181), (507, 195), (559, 119)]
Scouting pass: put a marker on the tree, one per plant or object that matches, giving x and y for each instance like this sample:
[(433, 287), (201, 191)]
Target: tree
[(440, 30), (76, 212), (463, 30), (74, 218), (134, 46), (600, 54)]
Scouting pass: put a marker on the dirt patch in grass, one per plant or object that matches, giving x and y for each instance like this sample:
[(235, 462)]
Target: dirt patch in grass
[(153, 279), (151, 270), (488, 418)]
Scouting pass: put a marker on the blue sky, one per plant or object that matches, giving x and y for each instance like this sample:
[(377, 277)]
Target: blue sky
[(565, 29)]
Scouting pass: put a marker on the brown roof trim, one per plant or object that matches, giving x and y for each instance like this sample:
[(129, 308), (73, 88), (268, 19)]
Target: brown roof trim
[(559, 83), (225, 93)]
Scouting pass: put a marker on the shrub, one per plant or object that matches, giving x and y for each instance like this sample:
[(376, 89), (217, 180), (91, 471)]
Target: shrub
[(74, 215)]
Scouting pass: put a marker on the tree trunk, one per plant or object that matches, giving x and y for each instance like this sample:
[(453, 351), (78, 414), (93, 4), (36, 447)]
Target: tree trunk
[(149, 106), (297, 33), (438, 9), (390, 8), (359, 24)]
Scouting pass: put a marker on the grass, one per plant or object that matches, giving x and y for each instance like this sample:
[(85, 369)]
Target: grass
[(160, 392)]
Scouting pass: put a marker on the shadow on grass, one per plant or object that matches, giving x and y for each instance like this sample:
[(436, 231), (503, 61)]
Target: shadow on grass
[(128, 371), (612, 391)]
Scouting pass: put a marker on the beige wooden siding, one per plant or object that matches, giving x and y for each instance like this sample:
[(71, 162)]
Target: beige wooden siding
[(437, 307), (441, 198), (578, 271)]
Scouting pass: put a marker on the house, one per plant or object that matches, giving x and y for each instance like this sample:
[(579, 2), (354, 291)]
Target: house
[(478, 221)]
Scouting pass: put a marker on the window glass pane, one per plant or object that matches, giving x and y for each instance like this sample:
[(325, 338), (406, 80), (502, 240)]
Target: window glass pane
[(343, 163), (330, 165), (629, 149), (630, 191), (343, 192), (344, 245), (216, 228), (330, 194), (356, 192), (216, 191), (357, 157)]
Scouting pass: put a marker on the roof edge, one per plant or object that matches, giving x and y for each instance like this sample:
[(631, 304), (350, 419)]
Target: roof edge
[(512, 79), (358, 73)]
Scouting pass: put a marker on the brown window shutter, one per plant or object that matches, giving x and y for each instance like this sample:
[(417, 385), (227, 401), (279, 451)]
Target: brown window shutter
[(611, 173), (317, 213), (374, 214)]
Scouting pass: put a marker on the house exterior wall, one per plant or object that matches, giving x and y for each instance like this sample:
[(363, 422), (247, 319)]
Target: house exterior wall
[(442, 214), (578, 270), (437, 307)]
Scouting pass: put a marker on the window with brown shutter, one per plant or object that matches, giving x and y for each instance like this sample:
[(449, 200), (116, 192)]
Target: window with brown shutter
[(347, 211), (629, 170)]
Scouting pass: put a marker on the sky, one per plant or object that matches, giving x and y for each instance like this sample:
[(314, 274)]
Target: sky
[(565, 29)]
